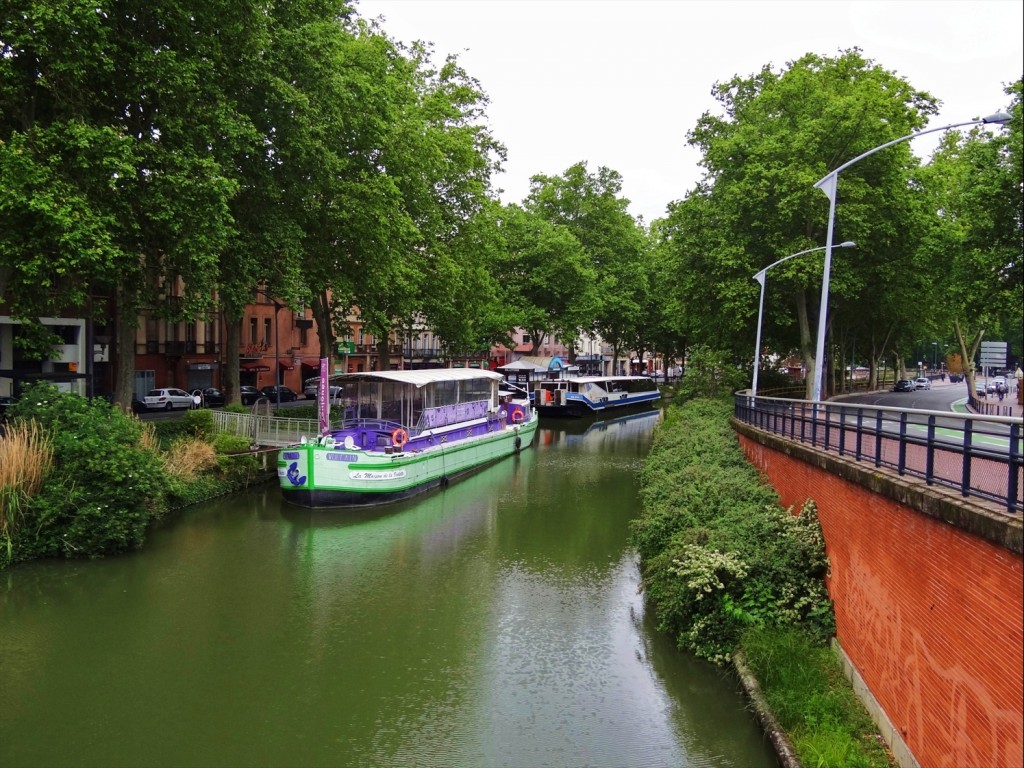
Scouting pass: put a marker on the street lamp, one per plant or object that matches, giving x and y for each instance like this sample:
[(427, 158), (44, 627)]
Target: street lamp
[(935, 355), (828, 185), (760, 277)]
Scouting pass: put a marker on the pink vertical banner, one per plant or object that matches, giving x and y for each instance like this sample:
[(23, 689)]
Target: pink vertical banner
[(323, 398)]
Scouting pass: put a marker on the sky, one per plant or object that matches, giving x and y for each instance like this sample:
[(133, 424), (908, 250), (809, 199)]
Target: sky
[(620, 83)]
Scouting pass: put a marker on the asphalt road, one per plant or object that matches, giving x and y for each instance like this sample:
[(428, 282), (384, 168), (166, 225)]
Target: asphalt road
[(940, 397), (162, 415)]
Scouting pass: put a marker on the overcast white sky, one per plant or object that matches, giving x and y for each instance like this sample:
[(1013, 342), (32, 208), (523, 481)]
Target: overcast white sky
[(619, 83)]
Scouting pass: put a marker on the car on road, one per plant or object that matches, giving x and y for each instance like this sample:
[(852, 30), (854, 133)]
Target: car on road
[(904, 385), (980, 388), (167, 399), (249, 394), (272, 391), (312, 390), (137, 405), (922, 383), (212, 397)]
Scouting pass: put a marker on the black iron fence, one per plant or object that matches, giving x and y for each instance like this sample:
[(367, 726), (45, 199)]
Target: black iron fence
[(975, 454)]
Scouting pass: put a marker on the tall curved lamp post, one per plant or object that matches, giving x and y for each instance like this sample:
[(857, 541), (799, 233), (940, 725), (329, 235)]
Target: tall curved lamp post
[(760, 277), (828, 185)]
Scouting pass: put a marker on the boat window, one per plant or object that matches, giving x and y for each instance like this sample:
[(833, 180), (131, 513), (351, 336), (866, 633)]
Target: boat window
[(391, 401), (444, 393), (476, 389), (369, 398)]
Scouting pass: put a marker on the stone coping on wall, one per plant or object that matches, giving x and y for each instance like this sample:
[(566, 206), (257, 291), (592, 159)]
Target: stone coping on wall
[(982, 518)]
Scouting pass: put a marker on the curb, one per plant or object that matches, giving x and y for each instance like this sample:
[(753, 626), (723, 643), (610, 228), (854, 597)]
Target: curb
[(783, 746)]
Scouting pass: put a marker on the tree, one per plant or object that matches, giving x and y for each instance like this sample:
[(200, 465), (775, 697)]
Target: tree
[(590, 207), (110, 114), (972, 189), (546, 277), (779, 134)]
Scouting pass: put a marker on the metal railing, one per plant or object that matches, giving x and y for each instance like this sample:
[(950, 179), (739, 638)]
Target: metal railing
[(974, 454), (266, 430)]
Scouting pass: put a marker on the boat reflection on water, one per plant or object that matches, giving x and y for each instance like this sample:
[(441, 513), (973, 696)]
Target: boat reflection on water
[(595, 433), (437, 521)]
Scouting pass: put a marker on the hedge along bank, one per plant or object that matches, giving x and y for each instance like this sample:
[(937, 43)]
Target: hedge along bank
[(80, 478), (729, 571)]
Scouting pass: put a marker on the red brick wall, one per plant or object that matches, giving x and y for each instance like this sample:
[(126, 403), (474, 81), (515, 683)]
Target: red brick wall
[(929, 614)]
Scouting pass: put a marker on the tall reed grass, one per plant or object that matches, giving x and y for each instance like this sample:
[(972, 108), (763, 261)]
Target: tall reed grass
[(26, 457)]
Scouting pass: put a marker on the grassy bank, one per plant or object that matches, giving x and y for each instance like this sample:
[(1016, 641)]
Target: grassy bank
[(726, 569), (79, 478)]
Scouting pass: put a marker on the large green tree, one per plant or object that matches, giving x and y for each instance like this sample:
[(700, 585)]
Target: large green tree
[(777, 134), (591, 207), (109, 114), (972, 190)]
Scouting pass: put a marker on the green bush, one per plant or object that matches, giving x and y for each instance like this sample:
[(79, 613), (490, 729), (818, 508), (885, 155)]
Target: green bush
[(199, 423), (105, 486), (718, 553), (236, 463), (711, 374)]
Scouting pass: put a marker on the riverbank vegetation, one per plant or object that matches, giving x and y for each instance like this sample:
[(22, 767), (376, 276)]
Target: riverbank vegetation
[(80, 478), (726, 568)]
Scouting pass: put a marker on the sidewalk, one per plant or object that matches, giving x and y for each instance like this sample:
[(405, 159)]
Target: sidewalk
[(1009, 399)]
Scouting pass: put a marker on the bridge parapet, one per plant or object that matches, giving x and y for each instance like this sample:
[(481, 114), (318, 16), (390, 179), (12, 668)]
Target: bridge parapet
[(927, 585), (976, 455)]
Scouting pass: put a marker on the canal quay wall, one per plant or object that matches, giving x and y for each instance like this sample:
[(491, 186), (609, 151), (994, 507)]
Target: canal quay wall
[(928, 588)]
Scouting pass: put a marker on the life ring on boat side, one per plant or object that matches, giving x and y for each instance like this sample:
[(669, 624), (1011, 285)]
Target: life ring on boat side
[(517, 416), (400, 437)]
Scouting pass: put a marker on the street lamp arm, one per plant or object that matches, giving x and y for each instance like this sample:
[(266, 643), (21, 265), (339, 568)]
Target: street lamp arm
[(760, 275), (999, 118), (828, 185)]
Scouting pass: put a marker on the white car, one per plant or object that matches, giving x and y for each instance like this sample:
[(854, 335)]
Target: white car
[(167, 399), (922, 383)]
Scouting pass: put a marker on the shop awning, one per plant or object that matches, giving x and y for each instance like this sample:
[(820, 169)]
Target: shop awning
[(254, 367), (285, 366)]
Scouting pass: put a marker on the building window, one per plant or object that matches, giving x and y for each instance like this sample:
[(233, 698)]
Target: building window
[(253, 339), (266, 331), (526, 338)]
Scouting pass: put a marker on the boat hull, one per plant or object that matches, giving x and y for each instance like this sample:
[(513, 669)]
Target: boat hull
[(578, 405), (317, 476)]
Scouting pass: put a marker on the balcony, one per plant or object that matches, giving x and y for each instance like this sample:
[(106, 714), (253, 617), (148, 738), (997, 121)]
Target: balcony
[(177, 348)]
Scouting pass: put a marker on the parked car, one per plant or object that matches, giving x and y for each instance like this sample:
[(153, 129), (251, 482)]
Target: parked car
[(168, 399), (980, 388), (213, 397), (922, 383), (904, 385), (272, 391), (137, 405), (249, 394)]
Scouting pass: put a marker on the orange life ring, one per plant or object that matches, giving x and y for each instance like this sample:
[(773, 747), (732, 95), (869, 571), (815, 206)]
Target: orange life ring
[(400, 437), (518, 415)]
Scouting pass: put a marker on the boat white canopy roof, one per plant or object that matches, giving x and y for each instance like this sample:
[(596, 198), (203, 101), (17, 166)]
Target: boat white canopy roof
[(420, 377)]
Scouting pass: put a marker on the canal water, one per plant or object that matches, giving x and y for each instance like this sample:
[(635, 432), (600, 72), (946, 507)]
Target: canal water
[(496, 623)]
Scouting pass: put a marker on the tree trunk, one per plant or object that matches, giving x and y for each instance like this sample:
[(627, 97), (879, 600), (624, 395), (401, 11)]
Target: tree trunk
[(807, 344), (126, 320)]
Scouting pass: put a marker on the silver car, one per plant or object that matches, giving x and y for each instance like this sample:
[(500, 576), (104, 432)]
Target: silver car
[(922, 383), (168, 399)]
